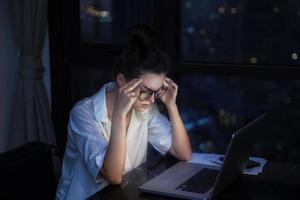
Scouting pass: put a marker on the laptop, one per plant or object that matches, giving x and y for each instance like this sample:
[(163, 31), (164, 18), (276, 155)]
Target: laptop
[(198, 181)]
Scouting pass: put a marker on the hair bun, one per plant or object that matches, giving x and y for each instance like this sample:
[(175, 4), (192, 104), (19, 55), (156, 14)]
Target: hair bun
[(141, 36)]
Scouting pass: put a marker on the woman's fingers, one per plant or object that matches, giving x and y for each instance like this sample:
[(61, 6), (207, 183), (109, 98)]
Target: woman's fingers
[(132, 85), (166, 84), (132, 94), (170, 83), (168, 79), (137, 92)]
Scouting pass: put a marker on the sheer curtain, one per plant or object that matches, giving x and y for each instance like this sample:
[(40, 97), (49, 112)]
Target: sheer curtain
[(31, 119)]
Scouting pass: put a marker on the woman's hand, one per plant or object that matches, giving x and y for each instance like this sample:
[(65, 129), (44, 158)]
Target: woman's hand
[(127, 95), (169, 98)]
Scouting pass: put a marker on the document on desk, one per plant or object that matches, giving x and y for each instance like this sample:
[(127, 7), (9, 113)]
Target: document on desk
[(214, 159)]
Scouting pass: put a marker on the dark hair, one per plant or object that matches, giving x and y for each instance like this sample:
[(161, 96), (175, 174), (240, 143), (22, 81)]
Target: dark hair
[(141, 55)]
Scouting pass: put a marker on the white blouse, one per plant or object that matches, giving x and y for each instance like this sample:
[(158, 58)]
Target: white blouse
[(88, 136)]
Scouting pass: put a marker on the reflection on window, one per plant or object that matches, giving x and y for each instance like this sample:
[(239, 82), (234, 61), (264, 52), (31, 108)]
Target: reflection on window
[(107, 21), (250, 31), (213, 107)]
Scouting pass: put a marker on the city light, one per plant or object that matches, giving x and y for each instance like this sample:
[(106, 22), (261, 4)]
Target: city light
[(188, 4), (103, 15), (276, 9), (190, 29), (221, 10), (295, 56), (253, 60), (233, 11)]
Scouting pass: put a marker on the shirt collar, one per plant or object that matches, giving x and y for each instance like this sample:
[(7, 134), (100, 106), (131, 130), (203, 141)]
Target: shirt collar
[(99, 101)]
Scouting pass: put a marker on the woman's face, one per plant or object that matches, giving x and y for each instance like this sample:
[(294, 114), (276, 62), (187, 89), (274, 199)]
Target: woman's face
[(150, 82)]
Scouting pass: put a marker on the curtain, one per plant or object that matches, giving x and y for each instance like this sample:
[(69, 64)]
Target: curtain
[(31, 119), (8, 68)]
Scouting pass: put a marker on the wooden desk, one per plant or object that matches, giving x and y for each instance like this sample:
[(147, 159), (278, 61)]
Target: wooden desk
[(278, 181)]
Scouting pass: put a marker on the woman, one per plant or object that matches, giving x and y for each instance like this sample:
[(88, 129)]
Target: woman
[(108, 132)]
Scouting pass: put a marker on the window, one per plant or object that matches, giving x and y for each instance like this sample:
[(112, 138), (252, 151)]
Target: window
[(213, 107), (241, 32), (107, 21)]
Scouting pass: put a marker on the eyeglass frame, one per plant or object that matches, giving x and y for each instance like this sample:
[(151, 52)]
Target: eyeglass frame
[(152, 92)]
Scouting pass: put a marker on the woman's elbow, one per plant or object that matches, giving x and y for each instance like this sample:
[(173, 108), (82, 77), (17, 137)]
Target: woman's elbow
[(113, 178), (187, 155)]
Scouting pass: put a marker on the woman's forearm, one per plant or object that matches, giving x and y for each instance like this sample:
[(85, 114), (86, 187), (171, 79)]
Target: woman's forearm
[(181, 147), (114, 161)]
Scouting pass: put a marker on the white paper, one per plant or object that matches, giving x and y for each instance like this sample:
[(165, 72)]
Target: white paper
[(213, 159)]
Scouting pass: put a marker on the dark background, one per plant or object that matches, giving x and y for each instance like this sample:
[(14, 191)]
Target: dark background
[(232, 61)]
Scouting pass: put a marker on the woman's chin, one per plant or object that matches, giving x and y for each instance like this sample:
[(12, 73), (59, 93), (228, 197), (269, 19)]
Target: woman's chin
[(142, 109)]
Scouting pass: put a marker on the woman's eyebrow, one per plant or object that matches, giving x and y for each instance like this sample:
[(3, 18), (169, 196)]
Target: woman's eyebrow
[(150, 89)]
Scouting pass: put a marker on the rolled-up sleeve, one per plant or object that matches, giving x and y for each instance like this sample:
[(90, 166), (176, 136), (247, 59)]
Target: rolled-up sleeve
[(159, 131), (88, 139)]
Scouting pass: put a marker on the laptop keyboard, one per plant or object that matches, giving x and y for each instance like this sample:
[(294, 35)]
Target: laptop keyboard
[(200, 182)]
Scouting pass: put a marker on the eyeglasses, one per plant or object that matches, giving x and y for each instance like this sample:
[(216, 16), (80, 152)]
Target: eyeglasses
[(147, 94)]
